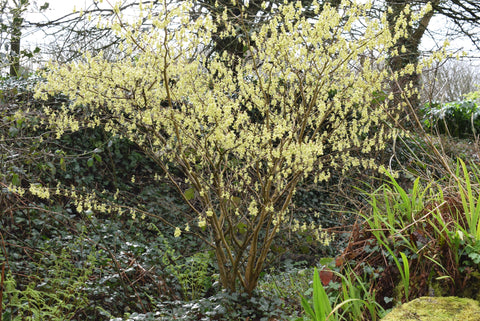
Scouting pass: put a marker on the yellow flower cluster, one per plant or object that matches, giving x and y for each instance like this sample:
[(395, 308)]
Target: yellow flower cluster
[(40, 191)]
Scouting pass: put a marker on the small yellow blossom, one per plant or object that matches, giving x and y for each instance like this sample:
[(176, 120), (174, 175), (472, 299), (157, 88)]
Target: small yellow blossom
[(177, 232)]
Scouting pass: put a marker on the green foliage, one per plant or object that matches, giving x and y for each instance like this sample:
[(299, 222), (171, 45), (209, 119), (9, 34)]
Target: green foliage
[(133, 267), (351, 301), (222, 306), (193, 273), (285, 282), (458, 119), (21, 148), (321, 305), (473, 253), (394, 219), (429, 231), (470, 197), (59, 295)]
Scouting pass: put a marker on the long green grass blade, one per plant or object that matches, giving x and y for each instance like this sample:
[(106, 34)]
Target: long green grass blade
[(321, 304), (307, 308), (406, 202), (470, 203), (406, 272)]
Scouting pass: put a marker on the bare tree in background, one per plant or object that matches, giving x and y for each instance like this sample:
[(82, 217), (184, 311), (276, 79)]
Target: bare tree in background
[(450, 81), (464, 15), (70, 35), (77, 32)]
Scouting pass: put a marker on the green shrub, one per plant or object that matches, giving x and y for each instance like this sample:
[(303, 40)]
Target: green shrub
[(459, 118)]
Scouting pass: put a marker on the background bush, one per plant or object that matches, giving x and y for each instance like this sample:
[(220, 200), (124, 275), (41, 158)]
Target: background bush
[(458, 119)]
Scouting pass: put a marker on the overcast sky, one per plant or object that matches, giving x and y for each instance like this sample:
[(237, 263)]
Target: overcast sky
[(58, 8)]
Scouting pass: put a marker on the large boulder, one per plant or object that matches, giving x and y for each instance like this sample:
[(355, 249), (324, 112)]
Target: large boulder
[(436, 309)]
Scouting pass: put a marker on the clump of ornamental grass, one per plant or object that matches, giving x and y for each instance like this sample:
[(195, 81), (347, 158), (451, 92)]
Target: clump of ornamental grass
[(236, 135)]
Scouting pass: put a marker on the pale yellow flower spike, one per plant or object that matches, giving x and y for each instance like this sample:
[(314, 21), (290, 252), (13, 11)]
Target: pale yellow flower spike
[(177, 232)]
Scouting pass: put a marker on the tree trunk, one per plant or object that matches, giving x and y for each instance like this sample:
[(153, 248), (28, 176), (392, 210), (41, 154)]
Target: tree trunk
[(15, 37), (408, 53)]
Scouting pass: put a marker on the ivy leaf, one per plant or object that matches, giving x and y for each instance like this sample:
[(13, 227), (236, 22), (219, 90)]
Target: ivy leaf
[(63, 166), (189, 193), (44, 6), (242, 228), (15, 180)]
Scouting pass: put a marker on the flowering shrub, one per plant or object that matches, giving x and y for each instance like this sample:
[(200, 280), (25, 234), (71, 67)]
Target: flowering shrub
[(243, 133)]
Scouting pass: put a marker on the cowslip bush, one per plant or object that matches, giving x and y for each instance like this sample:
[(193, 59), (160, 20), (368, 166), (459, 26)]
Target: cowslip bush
[(236, 136)]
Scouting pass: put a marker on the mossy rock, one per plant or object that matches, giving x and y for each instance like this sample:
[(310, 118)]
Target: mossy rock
[(436, 309)]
